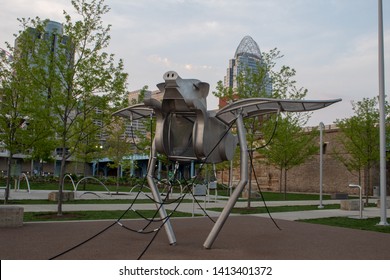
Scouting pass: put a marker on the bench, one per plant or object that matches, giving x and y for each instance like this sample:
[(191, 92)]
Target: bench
[(339, 196), (66, 196), (11, 216), (378, 203), (350, 205), (3, 189)]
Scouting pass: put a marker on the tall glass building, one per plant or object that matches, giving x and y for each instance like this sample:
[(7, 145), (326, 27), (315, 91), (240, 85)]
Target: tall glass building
[(52, 33), (247, 55)]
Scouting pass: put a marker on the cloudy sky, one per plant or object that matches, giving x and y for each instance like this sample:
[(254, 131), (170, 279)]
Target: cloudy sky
[(332, 44)]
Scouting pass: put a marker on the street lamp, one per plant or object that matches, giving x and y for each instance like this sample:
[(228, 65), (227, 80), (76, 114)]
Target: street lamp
[(382, 117), (321, 160)]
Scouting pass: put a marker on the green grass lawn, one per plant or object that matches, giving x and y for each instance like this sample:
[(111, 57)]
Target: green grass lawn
[(84, 201), (362, 224), (82, 187), (274, 209), (91, 185), (276, 196), (94, 215)]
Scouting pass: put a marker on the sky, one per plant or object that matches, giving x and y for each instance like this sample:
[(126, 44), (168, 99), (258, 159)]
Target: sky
[(332, 44)]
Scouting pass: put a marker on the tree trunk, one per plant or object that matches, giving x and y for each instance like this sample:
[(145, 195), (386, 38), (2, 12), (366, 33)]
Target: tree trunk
[(117, 178), (285, 183), (280, 179), (8, 181), (61, 182), (368, 184), (85, 175), (250, 178)]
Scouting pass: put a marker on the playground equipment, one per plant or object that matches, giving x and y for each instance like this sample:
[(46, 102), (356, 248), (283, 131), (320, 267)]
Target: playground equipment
[(186, 131), (75, 185), (19, 179)]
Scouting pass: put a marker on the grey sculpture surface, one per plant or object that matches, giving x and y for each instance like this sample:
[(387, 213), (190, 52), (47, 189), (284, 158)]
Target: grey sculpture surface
[(187, 131)]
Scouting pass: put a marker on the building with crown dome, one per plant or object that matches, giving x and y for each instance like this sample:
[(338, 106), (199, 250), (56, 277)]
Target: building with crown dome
[(247, 55)]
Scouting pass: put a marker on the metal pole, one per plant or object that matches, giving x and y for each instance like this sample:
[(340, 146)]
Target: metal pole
[(157, 197), (382, 115), (321, 160), (360, 203), (230, 177), (237, 191), (192, 169)]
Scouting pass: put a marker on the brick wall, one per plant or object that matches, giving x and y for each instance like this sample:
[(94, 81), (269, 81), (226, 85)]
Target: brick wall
[(306, 177)]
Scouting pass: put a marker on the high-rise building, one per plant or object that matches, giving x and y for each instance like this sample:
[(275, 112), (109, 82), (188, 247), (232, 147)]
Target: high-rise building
[(52, 44), (247, 55), (52, 33)]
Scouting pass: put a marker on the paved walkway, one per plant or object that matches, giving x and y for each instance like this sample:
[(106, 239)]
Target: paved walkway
[(242, 237), (190, 207)]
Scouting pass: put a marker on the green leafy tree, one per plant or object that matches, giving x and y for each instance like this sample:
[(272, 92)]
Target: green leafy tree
[(256, 83), (250, 83), (77, 76), (118, 145), (22, 107), (290, 145), (360, 139), (285, 142), (88, 149)]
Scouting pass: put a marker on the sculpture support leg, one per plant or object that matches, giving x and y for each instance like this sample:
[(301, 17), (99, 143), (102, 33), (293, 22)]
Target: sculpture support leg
[(157, 197), (235, 195)]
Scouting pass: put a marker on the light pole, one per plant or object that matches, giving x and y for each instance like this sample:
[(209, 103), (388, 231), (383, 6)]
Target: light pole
[(321, 126), (382, 116)]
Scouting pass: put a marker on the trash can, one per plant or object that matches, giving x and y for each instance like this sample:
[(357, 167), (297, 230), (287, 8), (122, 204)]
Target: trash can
[(376, 191)]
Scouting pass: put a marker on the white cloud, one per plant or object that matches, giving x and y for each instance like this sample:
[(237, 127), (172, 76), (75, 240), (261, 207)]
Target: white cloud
[(331, 44), (159, 60)]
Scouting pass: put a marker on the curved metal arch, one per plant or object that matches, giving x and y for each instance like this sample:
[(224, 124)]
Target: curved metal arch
[(101, 183), (135, 112)]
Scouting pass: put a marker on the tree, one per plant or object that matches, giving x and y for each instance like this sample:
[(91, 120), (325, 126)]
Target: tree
[(118, 146), (89, 147), (285, 143), (290, 145), (22, 109), (76, 76), (251, 83), (256, 83), (360, 139)]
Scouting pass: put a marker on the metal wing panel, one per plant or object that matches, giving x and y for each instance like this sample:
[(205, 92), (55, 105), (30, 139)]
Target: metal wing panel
[(252, 107), (135, 112)]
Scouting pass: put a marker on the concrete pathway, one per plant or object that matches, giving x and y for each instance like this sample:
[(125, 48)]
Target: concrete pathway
[(191, 207)]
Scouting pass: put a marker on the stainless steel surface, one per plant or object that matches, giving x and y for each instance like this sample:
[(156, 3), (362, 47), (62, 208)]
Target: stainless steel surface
[(186, 131), (237, 191), (157, 197)]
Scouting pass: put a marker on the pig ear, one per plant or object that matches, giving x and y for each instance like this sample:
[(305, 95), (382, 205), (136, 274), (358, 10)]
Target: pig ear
[(161, 86), (203, 88)]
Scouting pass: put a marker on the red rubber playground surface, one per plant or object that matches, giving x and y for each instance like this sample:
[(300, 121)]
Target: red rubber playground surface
[(242, 237)]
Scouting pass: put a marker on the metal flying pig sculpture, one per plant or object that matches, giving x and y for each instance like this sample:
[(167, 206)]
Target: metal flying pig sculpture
[(186, 131)]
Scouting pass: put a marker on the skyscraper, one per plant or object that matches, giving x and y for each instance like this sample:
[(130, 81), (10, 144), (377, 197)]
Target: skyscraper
[(247, 55), (52, 35), (54, 49)]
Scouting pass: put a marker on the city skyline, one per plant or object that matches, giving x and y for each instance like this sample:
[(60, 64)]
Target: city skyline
[(331, 44)]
